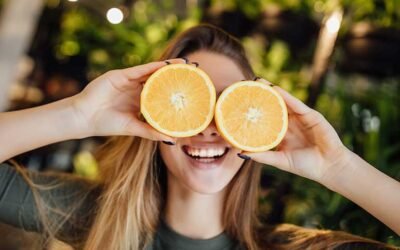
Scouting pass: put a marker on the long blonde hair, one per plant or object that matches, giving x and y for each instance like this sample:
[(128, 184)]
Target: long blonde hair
[(135, 178), (133, 181)]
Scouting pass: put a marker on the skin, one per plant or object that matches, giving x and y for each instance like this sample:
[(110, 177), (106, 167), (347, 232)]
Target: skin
[(109, 106), (195, 196)]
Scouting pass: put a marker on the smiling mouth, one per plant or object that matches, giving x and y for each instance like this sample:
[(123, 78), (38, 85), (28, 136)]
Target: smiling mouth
[(205, 155)]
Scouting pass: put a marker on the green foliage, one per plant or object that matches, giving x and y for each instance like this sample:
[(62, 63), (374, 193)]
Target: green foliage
[(382, 13), (365, 113), (385, 13), (276, 65), (136, 40), (251, 8)]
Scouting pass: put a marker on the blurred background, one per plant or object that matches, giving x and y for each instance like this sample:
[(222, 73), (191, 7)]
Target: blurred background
[(340, 57)]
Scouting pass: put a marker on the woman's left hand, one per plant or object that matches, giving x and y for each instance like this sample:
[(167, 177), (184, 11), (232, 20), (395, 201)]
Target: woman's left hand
[(311, 147)]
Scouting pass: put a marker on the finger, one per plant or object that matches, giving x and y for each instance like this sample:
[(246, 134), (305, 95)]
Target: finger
[(277, 159), (144, 130), (259, 79), (137, 72), (142, 80), (307, 116), (293, 103)]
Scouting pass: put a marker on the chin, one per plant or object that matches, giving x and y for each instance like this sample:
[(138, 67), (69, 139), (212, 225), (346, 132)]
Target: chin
[(205, 168), (206, 188)]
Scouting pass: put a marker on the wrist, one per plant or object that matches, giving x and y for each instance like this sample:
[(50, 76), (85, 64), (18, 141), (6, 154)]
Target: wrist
[(340, 171), (76, 118)]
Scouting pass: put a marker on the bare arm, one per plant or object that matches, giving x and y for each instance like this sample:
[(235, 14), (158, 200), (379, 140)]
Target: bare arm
[(24, 130), (371, 189), (109, 105)]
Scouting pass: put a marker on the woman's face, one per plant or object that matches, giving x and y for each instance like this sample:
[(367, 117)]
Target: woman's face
[(212, 172)]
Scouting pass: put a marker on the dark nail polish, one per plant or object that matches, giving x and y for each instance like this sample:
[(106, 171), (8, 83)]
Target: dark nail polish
[(186, 60), (170, 143), (256, 78), (244, 157), (242, 80), (196, 64), (167, 62), (271, 85)]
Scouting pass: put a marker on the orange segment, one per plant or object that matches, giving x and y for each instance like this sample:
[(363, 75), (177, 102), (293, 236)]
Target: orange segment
[(251, 116), (178, 100)]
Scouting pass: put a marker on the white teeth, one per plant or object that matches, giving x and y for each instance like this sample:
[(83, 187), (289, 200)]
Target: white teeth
[(205, 152)]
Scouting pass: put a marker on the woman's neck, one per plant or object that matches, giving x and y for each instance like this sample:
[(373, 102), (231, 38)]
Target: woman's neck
[(192, 214)]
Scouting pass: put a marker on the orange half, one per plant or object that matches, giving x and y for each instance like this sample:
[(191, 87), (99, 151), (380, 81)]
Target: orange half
[(252, 116), (178, 100)]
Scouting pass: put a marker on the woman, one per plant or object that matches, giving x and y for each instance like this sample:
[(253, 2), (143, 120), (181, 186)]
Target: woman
[(152, 195)]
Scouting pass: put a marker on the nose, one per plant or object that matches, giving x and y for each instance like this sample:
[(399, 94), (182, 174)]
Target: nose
[(211, 131)]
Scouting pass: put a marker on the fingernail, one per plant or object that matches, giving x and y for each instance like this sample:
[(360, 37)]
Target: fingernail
[(167, 62), (196, 63), (170, 143), (186, 60), (256, 78), (244, 157)]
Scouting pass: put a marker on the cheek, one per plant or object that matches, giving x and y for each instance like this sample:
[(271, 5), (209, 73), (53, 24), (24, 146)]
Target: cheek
[(170, 156), (218, 180), (231, 166)]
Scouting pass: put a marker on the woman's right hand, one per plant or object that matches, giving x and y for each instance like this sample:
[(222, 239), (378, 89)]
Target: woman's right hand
[(110, 104)]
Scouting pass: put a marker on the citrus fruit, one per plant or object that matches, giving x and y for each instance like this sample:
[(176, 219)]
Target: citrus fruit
[(178, 100), (252, 116)]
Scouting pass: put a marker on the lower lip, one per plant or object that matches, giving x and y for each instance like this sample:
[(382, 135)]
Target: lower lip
[(206, 165)]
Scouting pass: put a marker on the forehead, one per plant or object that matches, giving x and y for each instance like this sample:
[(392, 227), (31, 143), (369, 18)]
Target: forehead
[(221, 69)]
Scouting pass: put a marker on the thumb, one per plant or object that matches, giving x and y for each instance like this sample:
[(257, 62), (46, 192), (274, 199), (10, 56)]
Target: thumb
[(277, 159), (144, 130)]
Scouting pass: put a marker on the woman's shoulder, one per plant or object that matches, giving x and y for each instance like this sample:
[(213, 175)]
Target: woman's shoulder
[(55, 188), (70, 201), (289, 236)]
